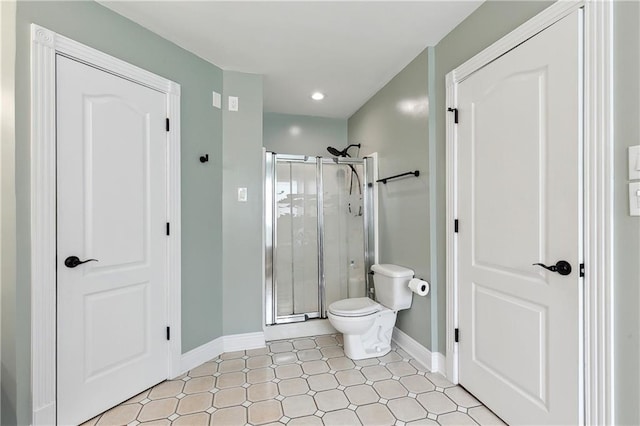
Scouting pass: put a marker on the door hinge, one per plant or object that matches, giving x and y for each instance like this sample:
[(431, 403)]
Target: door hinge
[(167, 125), (455, 226), (455, 114), (582, 269), (168, 228), (456, 336), (168, 333)]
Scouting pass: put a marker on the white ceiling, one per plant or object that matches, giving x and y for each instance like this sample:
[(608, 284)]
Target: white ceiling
[(347, 49)]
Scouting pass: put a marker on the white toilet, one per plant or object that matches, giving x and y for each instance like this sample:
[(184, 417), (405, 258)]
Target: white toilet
[(367, 325)]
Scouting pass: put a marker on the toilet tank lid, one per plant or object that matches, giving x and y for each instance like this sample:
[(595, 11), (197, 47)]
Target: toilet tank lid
[(393, 271)]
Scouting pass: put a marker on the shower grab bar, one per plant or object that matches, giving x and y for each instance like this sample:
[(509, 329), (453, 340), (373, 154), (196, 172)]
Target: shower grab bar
[(415, 173)]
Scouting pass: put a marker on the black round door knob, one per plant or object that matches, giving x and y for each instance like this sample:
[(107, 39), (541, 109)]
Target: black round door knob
[(562, 267), (73, 261)]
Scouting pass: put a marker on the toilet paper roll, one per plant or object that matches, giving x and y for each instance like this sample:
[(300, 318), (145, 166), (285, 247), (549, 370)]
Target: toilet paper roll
[(419, 287)]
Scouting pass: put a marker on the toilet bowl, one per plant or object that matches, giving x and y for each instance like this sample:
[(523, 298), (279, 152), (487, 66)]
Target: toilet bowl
[(367, 325)]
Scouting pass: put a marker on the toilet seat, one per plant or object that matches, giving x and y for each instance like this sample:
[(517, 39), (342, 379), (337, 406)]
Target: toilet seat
[(355, 307)]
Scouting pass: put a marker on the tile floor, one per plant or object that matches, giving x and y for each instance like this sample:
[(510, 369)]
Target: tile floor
[(306, 381)]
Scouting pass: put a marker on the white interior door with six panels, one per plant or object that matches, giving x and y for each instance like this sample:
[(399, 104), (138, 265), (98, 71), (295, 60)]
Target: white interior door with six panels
[(519, 203), (112, 198)]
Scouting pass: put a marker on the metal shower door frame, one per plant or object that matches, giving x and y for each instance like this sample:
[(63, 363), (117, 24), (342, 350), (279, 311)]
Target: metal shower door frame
[(271, 281)]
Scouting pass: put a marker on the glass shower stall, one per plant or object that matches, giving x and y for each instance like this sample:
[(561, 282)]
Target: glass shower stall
[(319, 234)]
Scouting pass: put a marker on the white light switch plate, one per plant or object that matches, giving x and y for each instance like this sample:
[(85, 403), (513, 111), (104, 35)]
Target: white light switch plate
[(233, 103), (634, 199), (634, 162), (217, 100), (242, 195)]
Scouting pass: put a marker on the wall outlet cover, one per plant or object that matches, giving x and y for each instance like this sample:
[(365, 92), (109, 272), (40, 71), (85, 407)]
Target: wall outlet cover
[(634, 199), (233, 103), (242, 195)]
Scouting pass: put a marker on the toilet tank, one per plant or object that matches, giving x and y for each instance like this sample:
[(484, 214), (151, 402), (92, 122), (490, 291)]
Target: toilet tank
[(391, 284)]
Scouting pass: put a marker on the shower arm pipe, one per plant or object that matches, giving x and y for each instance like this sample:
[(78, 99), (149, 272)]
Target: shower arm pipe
[(415, 173)]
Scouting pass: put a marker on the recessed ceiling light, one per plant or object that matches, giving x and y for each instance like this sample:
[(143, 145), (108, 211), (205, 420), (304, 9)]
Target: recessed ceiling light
[(317, 96)]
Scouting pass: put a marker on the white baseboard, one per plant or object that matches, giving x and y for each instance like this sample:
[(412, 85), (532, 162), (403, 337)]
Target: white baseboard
[(239, 342), (435, 362), (230, 343), (294, 330), (201, 354)]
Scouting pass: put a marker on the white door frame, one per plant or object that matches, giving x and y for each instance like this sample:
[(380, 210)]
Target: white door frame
[(597, 303), (45, 44)]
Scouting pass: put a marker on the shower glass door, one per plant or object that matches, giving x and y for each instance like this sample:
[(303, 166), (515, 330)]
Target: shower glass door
[(317, 231), (296, 235)]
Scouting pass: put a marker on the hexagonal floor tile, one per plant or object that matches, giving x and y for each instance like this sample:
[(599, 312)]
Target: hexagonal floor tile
[(375, 373), (350, 377), (199, 384), (341, 418), (406, 409), (231, 366), (229, 416), (375, 414), (332, 352), (315, 367), (306, 421), (390, 357), (291, 387), (455, 419), (309, 355), (262, 391), (401, 368), (194, 403), (361, 394), (484, 416), (298, 406), (326, 341), (278, 347), (230, 380), (284, 358), (191, 419), (342, 363), (389, 389), (259, 361), (229, 397), (288, 371), (159, 409), (461, 397), (206, 369), (120, 415), (331, 400), (304, 344), (439, 380), (166, 389), (265, 412), (260, 375), (417, 384), (322, 382), (436, 402)]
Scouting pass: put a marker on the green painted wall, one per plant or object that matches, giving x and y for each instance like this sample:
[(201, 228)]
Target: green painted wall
[(487, 24), (98, 27), (242, 221), (303, 134), (7, 209), (394, 123), (627, 228)]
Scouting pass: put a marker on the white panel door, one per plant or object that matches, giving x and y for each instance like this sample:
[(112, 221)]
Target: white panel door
[(112, 312), (519, 203)]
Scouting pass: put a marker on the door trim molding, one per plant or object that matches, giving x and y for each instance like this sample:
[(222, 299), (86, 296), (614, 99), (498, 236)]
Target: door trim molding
[(597, 341), (45, 44)]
